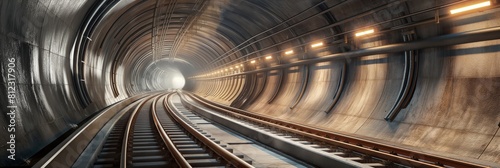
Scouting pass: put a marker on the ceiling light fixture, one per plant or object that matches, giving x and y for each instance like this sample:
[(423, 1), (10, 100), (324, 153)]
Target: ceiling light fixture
[(317, 45), (365, 32), (470, 7)]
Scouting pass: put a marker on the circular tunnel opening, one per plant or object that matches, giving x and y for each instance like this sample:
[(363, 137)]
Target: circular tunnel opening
[(165, 74), (178, 82)]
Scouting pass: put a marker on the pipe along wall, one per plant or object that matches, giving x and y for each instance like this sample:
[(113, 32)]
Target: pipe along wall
[(70, 59)]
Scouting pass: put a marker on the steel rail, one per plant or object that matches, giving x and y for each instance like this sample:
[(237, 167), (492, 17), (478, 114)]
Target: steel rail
[(130, 122), (181, 161), (392, 153), (226, 155), (82, 136)]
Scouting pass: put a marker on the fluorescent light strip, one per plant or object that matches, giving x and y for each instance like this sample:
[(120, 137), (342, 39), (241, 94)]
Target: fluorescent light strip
[(269, 57), (365, 32), (317, 45), (471, 7), (289, 52)]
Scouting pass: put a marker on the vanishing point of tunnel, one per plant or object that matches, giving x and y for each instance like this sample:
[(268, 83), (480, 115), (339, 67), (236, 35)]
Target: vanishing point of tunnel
[(419, 76)]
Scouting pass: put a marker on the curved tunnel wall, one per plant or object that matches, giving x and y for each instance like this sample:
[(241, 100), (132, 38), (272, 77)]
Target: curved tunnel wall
[(39, 36), (452, 109)]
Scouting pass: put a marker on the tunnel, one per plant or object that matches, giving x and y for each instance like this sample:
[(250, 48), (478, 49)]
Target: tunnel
[(420, 76)]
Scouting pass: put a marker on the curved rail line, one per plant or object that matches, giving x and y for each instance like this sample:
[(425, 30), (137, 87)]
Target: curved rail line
[(154, 135), (229, 157), (140, 148), (181, 161), (390, 154)]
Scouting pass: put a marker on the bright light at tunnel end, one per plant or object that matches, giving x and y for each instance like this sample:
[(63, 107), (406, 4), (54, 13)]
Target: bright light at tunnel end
[(178, 82)]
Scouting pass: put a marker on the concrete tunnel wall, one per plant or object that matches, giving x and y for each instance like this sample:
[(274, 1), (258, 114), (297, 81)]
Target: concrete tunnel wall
[(453, 111), (39, 35)]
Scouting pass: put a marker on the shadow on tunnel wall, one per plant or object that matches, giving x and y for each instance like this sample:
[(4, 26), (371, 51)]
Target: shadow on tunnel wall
[(453, 111), (36, 38)]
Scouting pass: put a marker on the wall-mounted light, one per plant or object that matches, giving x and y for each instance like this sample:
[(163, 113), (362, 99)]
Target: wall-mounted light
[(315, 45), (288, 52), (237, 66), (226, 69), (269, 57), (231, 68), (252, 62), (241, 65), (470, 7), (366, 32)]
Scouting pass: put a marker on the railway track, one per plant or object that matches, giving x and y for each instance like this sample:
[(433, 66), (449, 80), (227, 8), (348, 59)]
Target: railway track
[(342, 147), (159, 131), (152, 135)]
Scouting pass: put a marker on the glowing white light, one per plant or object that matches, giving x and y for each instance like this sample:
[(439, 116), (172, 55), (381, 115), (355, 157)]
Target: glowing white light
[(317, 45), (365, 32), (289, 52), (471, 7), (178, 82)]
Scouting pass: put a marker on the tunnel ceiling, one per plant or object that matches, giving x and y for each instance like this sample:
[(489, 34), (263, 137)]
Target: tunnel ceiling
[(75, 58), (195, 31), (216, 35)]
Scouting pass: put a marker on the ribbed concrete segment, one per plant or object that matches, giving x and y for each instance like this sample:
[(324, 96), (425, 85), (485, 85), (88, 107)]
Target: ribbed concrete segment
[(417, 76)]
